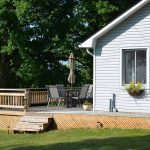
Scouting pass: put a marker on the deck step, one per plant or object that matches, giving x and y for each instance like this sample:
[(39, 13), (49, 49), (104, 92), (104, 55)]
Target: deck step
[(33, 123), (34, 119), (26, 125)]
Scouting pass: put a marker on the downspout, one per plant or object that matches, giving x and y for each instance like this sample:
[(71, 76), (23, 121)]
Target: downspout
[(87, 50)]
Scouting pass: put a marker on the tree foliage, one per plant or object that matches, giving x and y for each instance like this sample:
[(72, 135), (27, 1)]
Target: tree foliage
[(36, 38)]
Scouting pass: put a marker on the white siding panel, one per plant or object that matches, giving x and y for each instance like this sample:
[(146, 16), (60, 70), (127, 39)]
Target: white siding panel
[(110, 69), (132, 33)]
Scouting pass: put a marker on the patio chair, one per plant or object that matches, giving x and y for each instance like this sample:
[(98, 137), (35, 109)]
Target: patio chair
[(53, 94), (61, 90), (82, 95), (89, 95)]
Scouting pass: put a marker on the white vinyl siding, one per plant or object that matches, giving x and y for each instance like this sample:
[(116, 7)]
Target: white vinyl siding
[(133, 32)]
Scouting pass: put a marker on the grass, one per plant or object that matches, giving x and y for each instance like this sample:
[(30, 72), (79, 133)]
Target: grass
[(78, 139)]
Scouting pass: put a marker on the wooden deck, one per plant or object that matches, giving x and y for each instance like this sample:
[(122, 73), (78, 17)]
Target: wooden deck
[(78, 110), (42, 110), (13, 101), (75, 117)]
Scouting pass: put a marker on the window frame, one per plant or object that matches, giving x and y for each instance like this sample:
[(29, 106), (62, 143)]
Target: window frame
[(147, 64)]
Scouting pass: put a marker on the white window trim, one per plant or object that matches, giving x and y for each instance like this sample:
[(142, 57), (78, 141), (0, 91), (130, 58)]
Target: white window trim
[(147, 64)]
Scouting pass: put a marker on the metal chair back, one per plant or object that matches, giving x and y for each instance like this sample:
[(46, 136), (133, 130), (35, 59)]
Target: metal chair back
[(90, 92), (61, 90), (83, 91), (53, 91)]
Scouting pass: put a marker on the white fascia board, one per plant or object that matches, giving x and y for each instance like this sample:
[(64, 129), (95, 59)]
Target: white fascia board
[(91, 42)]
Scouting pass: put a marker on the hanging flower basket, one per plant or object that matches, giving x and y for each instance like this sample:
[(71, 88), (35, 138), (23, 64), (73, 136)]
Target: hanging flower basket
[(135, 89), (136, 93)]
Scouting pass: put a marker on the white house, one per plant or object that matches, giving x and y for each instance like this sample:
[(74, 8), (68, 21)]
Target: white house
[(121, 55)]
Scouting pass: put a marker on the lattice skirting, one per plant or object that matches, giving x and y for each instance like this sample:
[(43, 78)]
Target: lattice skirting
[(65, 121), (8, 121)]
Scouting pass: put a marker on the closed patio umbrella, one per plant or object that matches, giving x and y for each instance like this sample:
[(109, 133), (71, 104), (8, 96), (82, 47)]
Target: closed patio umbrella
[(71, 77)]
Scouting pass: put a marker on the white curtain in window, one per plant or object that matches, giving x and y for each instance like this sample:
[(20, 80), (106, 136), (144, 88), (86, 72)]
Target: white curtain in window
[(134, 66), (129, 66)]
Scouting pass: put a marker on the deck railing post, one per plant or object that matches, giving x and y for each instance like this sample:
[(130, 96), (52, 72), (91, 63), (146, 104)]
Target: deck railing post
[(27, 99), (25, 102)]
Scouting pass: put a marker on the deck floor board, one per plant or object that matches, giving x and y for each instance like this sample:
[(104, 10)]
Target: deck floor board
[(43, 110)]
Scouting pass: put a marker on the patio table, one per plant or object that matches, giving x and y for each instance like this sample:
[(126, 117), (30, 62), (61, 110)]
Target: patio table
[(68, 99)]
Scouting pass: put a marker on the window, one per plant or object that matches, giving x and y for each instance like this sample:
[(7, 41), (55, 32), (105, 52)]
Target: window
[(134, 66)]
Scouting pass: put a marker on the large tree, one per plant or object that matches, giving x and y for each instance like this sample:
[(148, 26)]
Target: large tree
[(32, 36), (37, 36)]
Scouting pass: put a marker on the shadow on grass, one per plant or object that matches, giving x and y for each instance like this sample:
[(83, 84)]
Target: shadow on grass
[(118, 143)]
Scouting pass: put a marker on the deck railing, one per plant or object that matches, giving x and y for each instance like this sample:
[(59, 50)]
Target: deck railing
[(38, 96), (14, 98), (22, 98)]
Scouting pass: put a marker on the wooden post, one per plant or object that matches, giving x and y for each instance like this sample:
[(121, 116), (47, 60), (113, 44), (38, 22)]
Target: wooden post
[(27, 100)]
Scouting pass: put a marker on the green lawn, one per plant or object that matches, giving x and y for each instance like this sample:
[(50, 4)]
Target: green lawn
[(78, 139)]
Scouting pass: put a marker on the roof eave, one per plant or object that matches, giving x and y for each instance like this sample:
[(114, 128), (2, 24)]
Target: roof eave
[(91, 42)]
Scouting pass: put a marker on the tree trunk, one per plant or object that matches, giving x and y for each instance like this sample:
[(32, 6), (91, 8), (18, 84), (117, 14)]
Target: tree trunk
[(4, 70)]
